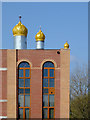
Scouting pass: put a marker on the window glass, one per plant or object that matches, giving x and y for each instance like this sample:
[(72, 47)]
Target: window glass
[(21, 100), (48, 64), (21, 82), (45, 90), (51, 82), (20, 72), (24, 64), (45, 113), (51, 113), (21, 91), (45, 72), (51, 100), (27, 82), (51, 72), (24, 90), (27, 100), (45, 82), (27, 91), (48, 97), (26, 112), (45, 100), (20, 112), (27, 73)]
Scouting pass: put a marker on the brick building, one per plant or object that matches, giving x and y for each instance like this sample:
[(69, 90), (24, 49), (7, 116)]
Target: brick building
[(34, 83)]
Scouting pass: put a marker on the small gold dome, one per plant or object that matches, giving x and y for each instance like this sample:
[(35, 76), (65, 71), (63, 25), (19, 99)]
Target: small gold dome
[(20, 29), (66, 45), (40, 36)]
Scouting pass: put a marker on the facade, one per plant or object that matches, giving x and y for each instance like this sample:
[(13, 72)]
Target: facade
[(34, 83)]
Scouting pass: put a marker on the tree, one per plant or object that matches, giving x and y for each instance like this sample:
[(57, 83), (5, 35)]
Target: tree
[(79, 93)]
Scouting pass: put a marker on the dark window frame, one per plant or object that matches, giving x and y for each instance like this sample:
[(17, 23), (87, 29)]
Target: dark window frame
[(51, 90), (24, 88)]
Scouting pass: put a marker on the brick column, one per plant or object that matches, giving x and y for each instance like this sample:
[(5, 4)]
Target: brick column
[(11, 83), (64, 82), (3, 84), (36, 93)]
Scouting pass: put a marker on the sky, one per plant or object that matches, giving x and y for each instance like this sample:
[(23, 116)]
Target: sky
[(59, 21)]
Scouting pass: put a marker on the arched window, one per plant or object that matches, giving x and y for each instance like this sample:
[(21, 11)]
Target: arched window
[(24, 90), (48, 90)]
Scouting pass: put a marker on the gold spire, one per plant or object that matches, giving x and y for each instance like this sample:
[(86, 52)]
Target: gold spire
[(40, 36), (66, 45), (20, 29)]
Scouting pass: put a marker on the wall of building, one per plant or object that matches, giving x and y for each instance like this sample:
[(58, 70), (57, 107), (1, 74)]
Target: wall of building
[(11, 58), (64, 82), (11, 83), (3, 84), (36, 58)]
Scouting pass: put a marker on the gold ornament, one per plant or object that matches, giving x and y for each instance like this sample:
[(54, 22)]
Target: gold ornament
[(20, 29), (66, 45), (40, 36)]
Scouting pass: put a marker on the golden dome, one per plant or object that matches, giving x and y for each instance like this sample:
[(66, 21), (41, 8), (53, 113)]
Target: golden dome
[(40, 36), (20, 29), (66, 45)]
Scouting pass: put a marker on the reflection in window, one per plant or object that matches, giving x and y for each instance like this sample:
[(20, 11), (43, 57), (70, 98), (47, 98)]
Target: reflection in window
[(51, 72), (27, 100), (24, 90), (45, 100), (21, 82), (51, 100), (27, 91), (21, 100), (26, 112), (51, 82), (20, 72), (45, 82), (48, 90), (27, 82), (45, 90), (51, 113), (45, 113), (20, 112), (48, 64), (24, 65), (45, 72), (27, 71)]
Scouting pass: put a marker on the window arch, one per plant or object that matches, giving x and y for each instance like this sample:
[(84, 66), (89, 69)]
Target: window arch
[(24, 90), (48, 90)]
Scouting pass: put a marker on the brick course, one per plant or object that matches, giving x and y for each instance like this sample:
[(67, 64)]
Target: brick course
[(36, 58)]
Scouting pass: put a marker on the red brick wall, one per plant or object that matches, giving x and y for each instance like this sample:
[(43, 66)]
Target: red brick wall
[(36, 57), (3, 82)]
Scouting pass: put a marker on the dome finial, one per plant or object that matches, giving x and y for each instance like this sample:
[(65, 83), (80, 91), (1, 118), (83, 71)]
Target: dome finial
[(20, 18), (20, 29), (66, 45), (40, 27), (40, 36)]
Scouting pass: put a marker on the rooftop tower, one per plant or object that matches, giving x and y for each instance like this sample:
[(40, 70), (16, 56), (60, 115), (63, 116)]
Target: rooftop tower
[(40, 40), (20, 36)]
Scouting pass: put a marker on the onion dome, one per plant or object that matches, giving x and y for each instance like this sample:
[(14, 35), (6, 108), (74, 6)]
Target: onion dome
[(20, 29), (40, 36), (66, 45)]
